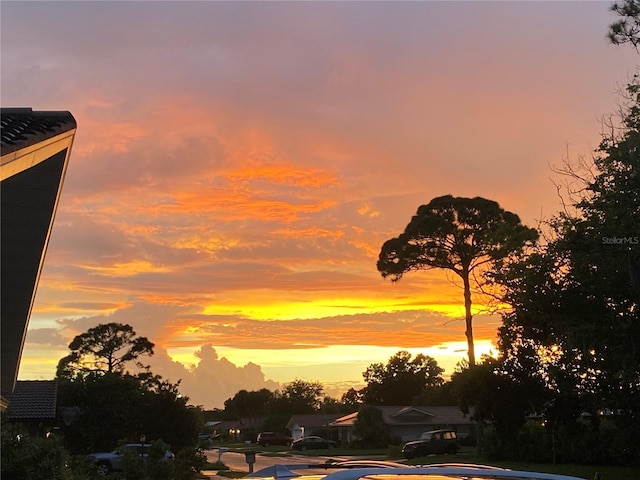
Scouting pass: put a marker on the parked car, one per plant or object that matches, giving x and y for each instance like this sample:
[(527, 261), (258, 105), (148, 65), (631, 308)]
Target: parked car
[(433, 442), (312, 443), (114, 460), (267, 439)]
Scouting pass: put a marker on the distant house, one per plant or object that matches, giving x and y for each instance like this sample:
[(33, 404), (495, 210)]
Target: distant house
[(311, 424), (33, 403), (243, 429), (408, 423)]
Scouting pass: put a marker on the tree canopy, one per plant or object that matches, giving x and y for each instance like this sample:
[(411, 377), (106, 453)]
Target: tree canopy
[(627, 28), (457, 234), (246, 404), (99, 410), (300, 396), (102, 404), (575, 327), (401, 380), (570, 346), (104, 348)]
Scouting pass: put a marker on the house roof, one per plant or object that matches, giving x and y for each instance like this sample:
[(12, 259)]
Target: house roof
[(33, 399), (410, 415), (35, 148), (312, 420), (22, 127), (346, 421)]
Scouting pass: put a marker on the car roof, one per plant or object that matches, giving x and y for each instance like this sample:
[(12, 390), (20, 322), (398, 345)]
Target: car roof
[(430, 472), (450, 473), (361, 463)]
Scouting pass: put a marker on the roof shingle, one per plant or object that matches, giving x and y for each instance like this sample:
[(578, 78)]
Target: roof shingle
[(33, 399), (22, 127)]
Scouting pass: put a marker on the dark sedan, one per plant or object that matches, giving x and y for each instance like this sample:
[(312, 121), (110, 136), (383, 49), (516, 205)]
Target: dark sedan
[(266, 439), (313, 443)]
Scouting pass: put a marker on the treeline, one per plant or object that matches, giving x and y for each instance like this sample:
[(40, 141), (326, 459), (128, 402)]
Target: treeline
[(403, 380)]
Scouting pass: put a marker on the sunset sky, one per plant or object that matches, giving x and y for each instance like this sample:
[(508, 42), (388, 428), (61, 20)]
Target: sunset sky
[(238, 165)]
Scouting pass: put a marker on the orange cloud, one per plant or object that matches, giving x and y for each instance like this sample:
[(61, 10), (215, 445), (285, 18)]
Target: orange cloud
[(284, 175), (368, 211), (410, 328), (127, 269), (311, 232), (242, 206), (107, 135)]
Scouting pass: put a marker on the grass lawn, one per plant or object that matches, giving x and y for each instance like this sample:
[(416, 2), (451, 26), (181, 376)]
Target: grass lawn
[(231, 474), (468, 455)]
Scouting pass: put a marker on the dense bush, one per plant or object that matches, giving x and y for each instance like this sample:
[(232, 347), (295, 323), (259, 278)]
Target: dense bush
[(588, 441), (25, 457), (154, 467), (188, 463), (370, 428), (599, 441), (112, 408)]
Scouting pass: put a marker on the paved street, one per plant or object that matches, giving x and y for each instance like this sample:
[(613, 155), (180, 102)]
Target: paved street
[(237, 461)]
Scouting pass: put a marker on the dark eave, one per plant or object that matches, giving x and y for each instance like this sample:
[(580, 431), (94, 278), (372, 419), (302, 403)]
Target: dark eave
[(34, 156)]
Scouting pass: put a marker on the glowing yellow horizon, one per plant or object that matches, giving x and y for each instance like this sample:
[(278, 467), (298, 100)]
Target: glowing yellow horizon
[(266, 308), (333, 363)]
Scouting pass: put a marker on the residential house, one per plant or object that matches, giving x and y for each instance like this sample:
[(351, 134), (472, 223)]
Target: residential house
[(409, 422), (311, 424), (243, 429)]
